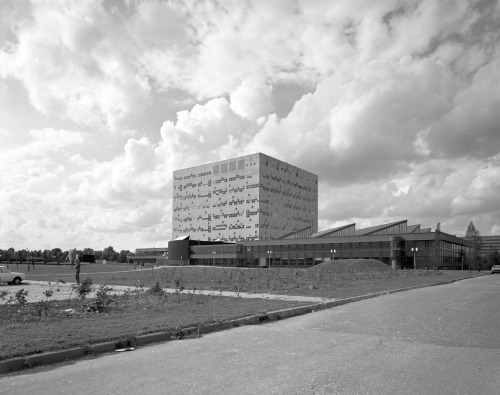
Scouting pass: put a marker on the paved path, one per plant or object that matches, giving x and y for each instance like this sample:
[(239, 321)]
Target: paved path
[(437, 340), (61, 291)]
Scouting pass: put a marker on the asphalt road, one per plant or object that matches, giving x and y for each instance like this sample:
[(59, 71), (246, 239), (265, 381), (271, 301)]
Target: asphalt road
[(437, 340)]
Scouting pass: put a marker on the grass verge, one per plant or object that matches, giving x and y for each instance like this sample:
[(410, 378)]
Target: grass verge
[(289, 281), (58, 325)]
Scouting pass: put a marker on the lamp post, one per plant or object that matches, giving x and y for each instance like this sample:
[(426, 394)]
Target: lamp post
[(332, 256), (269, 257), (213, 256), (128, 259), (414, 250)]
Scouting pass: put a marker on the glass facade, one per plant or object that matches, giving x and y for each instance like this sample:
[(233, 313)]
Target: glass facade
[(432, 252)]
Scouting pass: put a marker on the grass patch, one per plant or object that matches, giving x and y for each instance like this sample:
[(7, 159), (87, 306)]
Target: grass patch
[(292, 281), (42, 272), (57, 325), (54, 325)]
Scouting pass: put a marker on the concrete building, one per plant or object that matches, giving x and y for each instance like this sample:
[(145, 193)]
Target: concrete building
[(397, 244), (489, 244), (153, 256), (253, 197), (258, 211)]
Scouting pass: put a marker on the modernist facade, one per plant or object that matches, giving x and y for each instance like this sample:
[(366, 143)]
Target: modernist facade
[(390, 243), (155, 256), (489, 244), (253, 197), (258, 211)]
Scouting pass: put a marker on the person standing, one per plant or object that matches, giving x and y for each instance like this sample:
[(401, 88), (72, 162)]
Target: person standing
[(77, 268)]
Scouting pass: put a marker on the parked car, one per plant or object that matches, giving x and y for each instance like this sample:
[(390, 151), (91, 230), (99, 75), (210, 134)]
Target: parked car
[(6, 276), (495, 269)]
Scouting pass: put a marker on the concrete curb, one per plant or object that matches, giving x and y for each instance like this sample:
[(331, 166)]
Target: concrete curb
[(19, 363)]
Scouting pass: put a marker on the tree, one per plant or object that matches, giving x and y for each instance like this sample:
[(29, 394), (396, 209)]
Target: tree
[(493, 258), (462, 257), (437, 244), (56, 254), (474, 237), (110, 254), (46, 255), (7, 254), (88, 251), (123, 257)]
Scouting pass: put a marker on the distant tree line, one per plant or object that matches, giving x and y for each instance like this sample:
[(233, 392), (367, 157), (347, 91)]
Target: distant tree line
[(56, 254)]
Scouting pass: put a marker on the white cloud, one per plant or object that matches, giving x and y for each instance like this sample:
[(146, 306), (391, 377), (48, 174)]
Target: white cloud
[(69, 60), (252, 100), (401, 121)]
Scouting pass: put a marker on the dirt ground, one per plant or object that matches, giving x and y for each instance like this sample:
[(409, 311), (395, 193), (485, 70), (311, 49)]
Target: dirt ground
[(63, 291), (60, 291)]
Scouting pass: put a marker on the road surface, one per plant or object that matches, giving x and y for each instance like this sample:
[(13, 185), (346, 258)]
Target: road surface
[(437, 340)]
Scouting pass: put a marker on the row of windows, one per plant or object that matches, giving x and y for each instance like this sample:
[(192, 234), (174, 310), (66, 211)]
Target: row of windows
[(236, 177), (189, 176), (229, 166), (321, 247), (217, 249)]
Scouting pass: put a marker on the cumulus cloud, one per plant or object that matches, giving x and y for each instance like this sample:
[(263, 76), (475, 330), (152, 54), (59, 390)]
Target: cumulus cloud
[(208, 132), (399, 119), (252, 100), (69, 59)]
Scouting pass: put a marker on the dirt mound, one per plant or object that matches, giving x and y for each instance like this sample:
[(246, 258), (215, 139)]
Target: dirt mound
[(352, 266)]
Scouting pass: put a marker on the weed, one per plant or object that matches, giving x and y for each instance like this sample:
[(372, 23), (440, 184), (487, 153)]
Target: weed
[(43, 305), (20, 297), (101, 301), (130, 292), (3, 295), (191, 294), (84, 288), (178, 290), (157, 289), (178, 287), (178, 334)]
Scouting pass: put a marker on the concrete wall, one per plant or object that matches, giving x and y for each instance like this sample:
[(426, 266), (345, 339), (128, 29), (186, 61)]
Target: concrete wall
[(247, 198)]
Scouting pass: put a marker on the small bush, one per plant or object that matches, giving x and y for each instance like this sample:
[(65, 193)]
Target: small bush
[(85, 287), (3, 294), (157, 289), (101, 302), (21, 297)]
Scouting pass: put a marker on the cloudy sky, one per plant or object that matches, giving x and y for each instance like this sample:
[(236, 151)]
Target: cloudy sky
[(395, 104)]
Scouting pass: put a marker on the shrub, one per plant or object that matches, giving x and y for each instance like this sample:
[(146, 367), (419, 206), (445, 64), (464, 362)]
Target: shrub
[(85, 287), (3, 295), (157, 289), (21, 297), (101, 301)]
